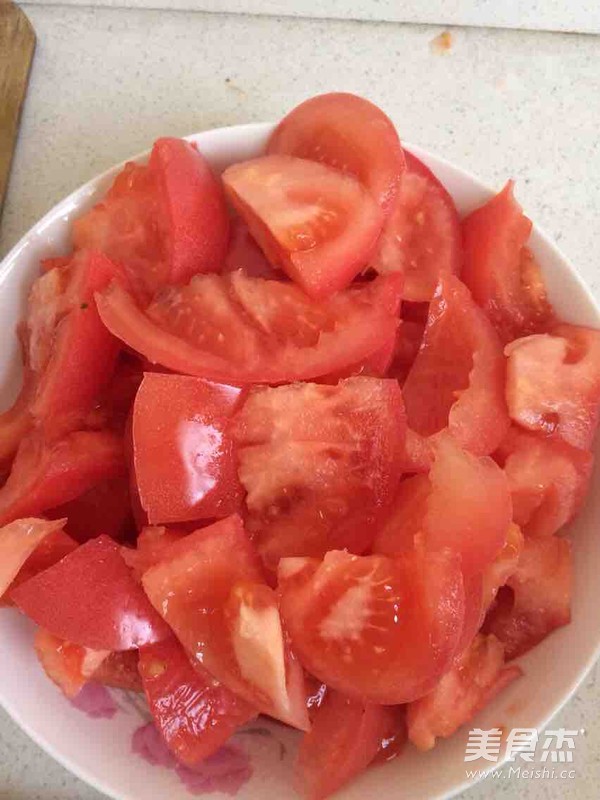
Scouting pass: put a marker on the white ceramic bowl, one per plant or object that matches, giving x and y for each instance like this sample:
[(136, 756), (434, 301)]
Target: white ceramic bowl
[(99, 751)]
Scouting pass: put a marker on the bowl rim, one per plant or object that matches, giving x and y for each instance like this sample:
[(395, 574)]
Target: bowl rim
[(70, 203)]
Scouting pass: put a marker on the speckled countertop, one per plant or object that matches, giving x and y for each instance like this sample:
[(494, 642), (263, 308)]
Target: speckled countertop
[(107, 81)]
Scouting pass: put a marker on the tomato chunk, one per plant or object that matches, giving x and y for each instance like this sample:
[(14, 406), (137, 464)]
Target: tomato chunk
[(45, 475), (152, 545), (503, 566), (232, 631), (184, 459), (68, 665), (49, 551), (537, 597), (18, 542), (553, 383), (163, 222), (501, 272), (103, 509), (320, 464), (457, 380), (376, 628), (422, 238), (111, 612), (461, 693), (194, 713), (314, 222), (345, 738), (348, 133), (120, 670), (548, 480), (236, 329)]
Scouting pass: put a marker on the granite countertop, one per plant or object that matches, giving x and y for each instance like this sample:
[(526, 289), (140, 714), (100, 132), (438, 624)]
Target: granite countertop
[(107, 80)]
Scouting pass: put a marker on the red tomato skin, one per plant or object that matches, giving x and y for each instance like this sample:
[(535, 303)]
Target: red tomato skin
[(345, 738), (198, 223), (457, 380), (83, 354), (46, 475), (111, 612), (194, 713), (548, 480), (320, 464), (348, 133), (355, 323), (463, 691), (501, 272), (537, 599), (18, 542), (422, 237), (185, 463), (335, 220), (553, 383), (349, 635)]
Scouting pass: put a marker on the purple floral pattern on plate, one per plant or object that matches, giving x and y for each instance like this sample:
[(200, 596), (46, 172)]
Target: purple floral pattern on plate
[(95, 700)]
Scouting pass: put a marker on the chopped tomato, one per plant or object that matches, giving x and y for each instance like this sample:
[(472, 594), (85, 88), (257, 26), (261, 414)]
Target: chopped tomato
[(16, 422), (111, 611), (184, 457), (376, 628), (152, 545), (239, 330), (114, 404), (120, 670), (503, 566), (345, 738), (406, 348), (45, 475), (463, 505), (18, 542), (163, 222), (312, 221), (536, 598), (103, 509), (68, 665), (245, 254), (49, 551), (463, 691), (194, 713), (553, 383), (349, 133), (421, 238), (320, 464), (191, 587), (457, 379), (48, 264), (500, 270), (548, 480), (418, 453)]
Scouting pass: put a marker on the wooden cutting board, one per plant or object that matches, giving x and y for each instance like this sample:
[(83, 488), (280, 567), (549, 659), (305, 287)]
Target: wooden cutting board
[(17, 43)]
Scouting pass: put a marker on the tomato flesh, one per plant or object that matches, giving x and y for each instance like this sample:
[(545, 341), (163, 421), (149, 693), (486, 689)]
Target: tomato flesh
[(457, 379), (553, 383), (238, 330), (376, 628), (500, 270), (315, 223), (18, 542), (193, 712), (421, 238), (320, 464), (68, 665), (184, 458), (152, 545), (463, 691), (111, 612)]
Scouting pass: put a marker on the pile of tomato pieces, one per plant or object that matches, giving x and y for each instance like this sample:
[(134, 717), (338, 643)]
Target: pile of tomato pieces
[(298, 441)]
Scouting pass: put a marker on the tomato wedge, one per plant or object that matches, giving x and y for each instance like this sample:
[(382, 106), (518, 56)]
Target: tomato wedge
[(553, 383), (245, 254), (69, 666), (111, 612), (199, 589), (421, 238), (348, 133), (49, 551), (342, 615), (18, 541), (163, 222), (548, 480), (320, 464), (536, 598), (314, 222), (501, 271), (184, 459), (238, 330), (457, 380), (345, 738), (463, 691), (194, 713)]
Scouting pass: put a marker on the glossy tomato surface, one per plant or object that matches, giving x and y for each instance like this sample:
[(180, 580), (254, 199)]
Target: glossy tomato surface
[(18, 541)]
